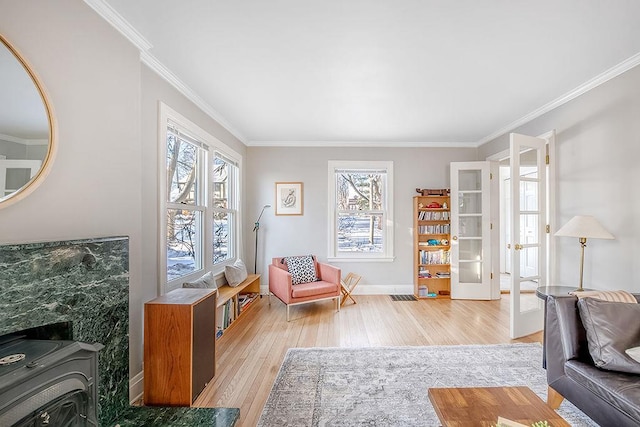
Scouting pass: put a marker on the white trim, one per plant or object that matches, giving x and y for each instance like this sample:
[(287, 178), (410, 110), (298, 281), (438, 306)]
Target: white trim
[(159, 68), (128, 31), (116, 20), (388, 199), (383, 290), (23, 141), (379, 144), (136, 387), (166, 113), (604, 77)]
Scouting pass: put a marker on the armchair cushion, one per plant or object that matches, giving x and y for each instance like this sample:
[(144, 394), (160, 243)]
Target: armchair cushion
[(302, 269), (313, 288), (612, 327)]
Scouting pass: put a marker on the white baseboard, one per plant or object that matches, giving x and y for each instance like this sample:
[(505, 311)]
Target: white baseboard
[(136, 387), (368, 290), (383, 290)]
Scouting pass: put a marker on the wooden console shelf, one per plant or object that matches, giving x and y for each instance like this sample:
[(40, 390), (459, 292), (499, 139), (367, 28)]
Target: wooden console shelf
[(230, 307), (179, 346)]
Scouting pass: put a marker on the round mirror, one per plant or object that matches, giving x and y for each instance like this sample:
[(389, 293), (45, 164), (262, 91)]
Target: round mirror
[(26, 127)]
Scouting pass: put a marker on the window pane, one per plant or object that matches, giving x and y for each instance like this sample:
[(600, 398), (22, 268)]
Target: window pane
[(182, 167), (469, 203), (183, 244), (359, 232), (359, 191), (221, 236), (221, 184)]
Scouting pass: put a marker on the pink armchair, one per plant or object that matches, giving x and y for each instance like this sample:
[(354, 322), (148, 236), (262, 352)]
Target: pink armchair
[(327, 287)]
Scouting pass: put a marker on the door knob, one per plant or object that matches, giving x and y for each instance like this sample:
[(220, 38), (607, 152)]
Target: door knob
[(454, 238), (508, 245), (517, 246)]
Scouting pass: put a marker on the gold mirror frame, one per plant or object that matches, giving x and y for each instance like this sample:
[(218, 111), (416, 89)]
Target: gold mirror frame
[(36, 180)]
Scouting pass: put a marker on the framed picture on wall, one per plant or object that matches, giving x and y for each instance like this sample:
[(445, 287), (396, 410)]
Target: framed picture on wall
[(289, 198)]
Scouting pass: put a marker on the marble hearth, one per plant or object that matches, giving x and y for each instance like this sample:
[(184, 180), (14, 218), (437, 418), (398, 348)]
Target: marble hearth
[(86, 282)]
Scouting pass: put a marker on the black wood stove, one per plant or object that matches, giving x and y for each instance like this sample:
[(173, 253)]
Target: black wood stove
[(45, 382)]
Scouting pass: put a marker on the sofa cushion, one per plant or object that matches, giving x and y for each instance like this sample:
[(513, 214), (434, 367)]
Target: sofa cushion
[(634, 353), (302, 269), (313, 288), (612, 327), (620, 390), (613, 296)]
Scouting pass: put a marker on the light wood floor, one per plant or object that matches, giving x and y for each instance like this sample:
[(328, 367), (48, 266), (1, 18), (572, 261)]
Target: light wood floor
[(250, 353)]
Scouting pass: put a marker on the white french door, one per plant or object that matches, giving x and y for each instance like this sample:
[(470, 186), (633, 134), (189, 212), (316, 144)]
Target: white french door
[(528, 231), (474, 253)]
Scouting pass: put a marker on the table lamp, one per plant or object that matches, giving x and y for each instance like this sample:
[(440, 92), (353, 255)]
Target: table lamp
[(583, 227)]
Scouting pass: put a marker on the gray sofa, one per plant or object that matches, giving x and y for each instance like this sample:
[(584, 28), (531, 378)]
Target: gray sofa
[(608, 397)]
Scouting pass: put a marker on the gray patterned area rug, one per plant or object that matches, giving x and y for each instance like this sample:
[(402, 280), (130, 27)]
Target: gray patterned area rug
[(387, 386)]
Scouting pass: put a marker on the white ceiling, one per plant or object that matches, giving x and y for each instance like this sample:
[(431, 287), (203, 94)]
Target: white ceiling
[(405, 72)]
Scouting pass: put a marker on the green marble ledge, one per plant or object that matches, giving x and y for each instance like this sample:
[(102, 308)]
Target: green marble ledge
[(178, 417)]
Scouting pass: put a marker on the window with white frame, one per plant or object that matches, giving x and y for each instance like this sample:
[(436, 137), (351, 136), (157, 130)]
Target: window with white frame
[(224, 206), (361, 210), (199, 200)]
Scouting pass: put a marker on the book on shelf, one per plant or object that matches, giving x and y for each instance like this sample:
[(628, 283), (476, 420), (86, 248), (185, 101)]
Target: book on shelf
[(433, 216), (245, 300), (434, 229), (439, 256)]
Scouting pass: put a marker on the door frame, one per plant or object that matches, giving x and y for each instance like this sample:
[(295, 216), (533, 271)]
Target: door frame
[(550, 137)]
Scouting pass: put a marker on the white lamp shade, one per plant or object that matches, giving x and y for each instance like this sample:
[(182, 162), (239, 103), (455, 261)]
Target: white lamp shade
[(584, 226)]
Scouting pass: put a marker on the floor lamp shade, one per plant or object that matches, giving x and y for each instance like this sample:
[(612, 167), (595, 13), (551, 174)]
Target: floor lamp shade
[(583, 227)]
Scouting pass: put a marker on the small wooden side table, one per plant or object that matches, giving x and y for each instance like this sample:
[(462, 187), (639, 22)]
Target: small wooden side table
[(348, 284)]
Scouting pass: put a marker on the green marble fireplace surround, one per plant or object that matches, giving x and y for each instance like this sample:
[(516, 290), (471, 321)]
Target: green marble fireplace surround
[(86, 282)]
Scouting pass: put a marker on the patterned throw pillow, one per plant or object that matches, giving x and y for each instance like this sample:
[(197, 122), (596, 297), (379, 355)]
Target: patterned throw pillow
[(302, 269)]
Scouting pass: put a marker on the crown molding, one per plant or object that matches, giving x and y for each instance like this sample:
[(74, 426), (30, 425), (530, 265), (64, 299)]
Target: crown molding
[(126, 29), (604, 77), (158, 67), (363, 144), (116, 20), (23, 141)]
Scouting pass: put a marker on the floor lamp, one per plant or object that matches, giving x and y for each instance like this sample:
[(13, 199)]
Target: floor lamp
[(256, 228), (583, 227)]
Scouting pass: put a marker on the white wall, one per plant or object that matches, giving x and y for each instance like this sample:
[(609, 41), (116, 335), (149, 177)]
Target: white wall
[(92, 76), (307, 234), (104, 179), (598, 165)]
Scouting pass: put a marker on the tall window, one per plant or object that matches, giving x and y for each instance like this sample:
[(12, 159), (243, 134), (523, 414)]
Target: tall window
[(200, 201), (361, 210), (225, 207)]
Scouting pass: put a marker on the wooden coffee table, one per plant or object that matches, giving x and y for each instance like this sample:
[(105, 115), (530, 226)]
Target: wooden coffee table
[(482, 406)]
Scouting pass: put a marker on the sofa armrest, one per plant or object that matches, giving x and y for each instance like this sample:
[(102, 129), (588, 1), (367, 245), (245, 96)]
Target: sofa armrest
[(280, 283), (329, 273)]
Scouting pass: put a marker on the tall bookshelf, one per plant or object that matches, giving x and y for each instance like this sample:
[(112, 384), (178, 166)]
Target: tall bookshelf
[(431, 245)]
